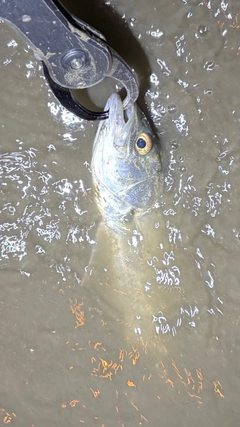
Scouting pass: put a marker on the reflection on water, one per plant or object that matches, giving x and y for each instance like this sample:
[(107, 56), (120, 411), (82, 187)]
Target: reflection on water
[(106, 329)]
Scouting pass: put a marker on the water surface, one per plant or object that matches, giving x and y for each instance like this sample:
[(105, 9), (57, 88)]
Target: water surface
[(142, 328)]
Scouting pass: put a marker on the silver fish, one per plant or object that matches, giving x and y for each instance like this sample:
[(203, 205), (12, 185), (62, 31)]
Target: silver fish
[(126, 163), (127, 264)]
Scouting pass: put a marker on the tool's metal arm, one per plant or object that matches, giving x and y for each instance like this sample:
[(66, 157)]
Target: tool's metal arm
[(76, 55)]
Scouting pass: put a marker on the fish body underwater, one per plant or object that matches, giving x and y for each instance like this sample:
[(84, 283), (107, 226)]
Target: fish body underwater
[(136, 276), (128, 267), (126, 163)]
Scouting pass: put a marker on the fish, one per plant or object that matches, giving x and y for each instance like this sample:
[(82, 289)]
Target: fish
[(136, 260), (126, 163), (128, 181)]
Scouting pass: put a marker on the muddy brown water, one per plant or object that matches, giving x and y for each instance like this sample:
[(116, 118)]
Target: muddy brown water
[(140, 329)]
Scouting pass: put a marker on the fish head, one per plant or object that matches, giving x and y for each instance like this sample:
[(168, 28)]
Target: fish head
[(126, 161)]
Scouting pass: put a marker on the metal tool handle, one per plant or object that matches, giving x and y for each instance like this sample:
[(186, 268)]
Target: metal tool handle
[(75, 54), (74, 59)]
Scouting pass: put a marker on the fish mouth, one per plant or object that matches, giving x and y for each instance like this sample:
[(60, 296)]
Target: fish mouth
[(116, 112), (120, 121), (115, 107)]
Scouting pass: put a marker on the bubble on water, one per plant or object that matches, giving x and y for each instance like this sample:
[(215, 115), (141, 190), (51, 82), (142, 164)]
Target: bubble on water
[(172, 109), (181, 159), (209, 65), (12, 43), (208, 91), (68, 137), (182, 169), (7, 62), (156, 34), (132, 21), (164, 68), (174, 145), (181, 124), (201, 31), (182, 83), (154, 79), (152, 94)]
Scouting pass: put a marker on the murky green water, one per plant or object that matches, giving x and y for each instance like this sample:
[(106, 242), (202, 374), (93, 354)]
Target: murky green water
[(138, 329)]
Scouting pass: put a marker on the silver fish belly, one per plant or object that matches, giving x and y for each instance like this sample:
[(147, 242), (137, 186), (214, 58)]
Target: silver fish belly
[(126, 163)]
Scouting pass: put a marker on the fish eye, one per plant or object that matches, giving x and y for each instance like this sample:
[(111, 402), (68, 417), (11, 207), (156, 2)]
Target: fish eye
[(143, 143)]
